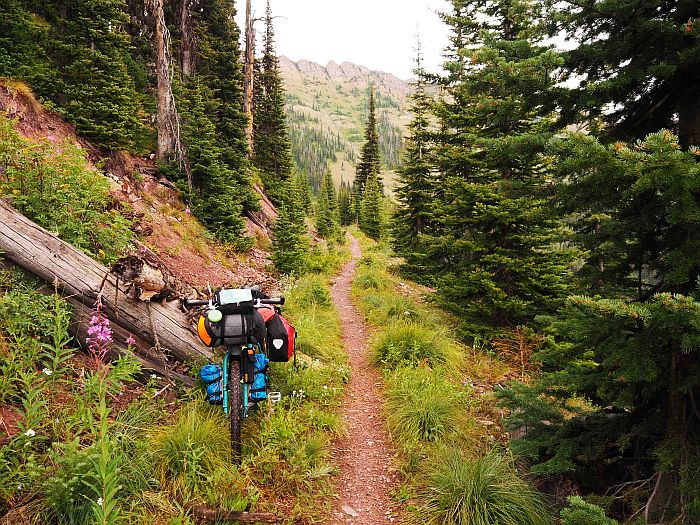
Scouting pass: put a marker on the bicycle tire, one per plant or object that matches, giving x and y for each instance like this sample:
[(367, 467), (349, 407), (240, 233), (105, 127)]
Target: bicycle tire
[(235, 403)]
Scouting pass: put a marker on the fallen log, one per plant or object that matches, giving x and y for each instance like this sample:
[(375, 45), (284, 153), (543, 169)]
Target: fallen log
[(151, 360), (202, 512), (83, 280)]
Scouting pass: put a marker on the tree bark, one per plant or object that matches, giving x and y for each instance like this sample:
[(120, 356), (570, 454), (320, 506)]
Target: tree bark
[(187, 37), (248, 67), (169, 144), (81, 279)]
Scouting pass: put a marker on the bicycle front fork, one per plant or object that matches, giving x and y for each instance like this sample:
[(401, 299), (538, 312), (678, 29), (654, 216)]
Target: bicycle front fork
[(245, 387)]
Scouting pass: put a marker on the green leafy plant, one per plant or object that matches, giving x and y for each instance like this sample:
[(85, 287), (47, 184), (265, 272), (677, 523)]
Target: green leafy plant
[(57, 188)]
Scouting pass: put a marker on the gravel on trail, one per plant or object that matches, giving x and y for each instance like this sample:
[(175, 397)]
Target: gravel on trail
[(365, 456)]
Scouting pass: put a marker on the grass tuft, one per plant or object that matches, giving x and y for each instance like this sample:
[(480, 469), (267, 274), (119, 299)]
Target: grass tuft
[(485, 491), (192, 448), (422, 406), (410, 344)]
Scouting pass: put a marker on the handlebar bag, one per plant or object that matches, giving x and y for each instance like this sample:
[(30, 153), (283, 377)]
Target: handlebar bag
[(233, 329), (235, 301), (281, 339)]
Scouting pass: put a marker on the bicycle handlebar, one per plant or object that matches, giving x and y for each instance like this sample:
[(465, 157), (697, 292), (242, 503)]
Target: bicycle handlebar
[(272, 300), (188, 303)]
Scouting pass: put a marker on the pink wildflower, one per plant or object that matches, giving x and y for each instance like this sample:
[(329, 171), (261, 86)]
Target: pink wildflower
[(99, 334), (187, 210), (130, 340)]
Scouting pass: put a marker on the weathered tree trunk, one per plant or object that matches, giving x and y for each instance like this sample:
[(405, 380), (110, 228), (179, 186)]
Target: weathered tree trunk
[(164, 117), (187, 37), (248, 68), (167, 119), (78, 277)]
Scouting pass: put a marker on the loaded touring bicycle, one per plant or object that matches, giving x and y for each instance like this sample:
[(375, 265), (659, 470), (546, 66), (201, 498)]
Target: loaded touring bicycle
[(253, 332)]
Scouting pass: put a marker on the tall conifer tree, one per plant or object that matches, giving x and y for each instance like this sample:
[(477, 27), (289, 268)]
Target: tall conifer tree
[(369, 161), (327, 218), (272, 150), (90, 48), (494, 255), (371, 208), (289, 245), (346, 210), (416, 188), (218, 63), (643, 75)]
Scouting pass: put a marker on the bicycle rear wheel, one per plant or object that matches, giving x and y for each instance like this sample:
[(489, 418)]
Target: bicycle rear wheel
[(235, 403)]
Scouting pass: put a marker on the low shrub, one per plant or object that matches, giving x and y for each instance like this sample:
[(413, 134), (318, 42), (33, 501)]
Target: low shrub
[(486, 491), (59, 190), (580, 512)]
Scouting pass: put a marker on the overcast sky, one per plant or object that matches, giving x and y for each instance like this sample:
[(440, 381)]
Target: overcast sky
[(379, 34)]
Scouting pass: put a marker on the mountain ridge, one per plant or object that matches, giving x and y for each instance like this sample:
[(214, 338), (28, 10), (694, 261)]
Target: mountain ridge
[(327, 112)]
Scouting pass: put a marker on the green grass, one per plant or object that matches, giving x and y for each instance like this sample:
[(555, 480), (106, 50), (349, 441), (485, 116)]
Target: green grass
[(410, 344), (187, 451), (423, 407), (484, 491)]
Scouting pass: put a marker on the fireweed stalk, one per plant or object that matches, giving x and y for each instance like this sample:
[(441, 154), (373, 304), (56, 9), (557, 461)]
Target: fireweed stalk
[(99, 332)]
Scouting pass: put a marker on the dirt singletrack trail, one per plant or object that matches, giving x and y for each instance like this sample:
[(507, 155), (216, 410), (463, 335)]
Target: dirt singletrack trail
[(365, 456)]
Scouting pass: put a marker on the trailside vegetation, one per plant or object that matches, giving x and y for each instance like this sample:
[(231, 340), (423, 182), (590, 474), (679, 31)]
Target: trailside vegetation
[(127, 74), (574, 248)]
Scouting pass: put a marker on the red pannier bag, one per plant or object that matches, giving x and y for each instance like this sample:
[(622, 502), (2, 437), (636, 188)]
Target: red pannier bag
[(281, 337)]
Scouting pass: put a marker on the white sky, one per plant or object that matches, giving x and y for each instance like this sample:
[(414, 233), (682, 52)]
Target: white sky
[(378, 34)]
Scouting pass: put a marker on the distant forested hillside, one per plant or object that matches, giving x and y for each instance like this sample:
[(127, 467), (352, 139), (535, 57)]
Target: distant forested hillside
[(327, 110)]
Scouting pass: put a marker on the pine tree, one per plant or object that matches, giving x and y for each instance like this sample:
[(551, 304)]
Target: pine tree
[(415, 193), (635, 353), (289, 244), (304, 189), (272, 150), (643, 75), (493, 254), (215, 197), (369, 161), (327, 218), (371, 209), (90, 48), (217, 64), (346, 210)]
